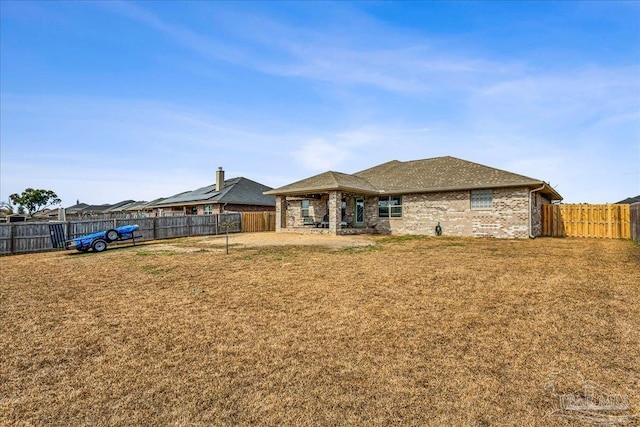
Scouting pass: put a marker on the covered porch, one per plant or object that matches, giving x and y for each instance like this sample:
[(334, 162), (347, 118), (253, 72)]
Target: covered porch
[(329, 203), (329, 212)]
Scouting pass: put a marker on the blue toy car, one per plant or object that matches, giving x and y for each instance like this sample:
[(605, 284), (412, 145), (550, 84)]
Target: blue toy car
[(98, 241)]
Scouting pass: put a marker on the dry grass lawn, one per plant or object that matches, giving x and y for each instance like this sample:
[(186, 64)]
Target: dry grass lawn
[(404, 331)]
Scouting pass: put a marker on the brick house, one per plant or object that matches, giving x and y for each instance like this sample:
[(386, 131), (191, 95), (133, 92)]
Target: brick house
[(465, 198), (231, 195)]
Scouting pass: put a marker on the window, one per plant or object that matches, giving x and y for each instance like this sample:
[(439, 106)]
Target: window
[(305, 208), (481, 199), (194, 210), (390, 206), (208, 209)]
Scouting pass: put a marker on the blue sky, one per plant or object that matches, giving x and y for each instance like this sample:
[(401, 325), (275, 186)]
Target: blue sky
[(107, 101)]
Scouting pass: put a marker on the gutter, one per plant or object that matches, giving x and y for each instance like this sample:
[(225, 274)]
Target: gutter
[(531, 236)]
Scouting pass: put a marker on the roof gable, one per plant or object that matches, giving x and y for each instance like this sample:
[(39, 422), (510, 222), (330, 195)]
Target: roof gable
[(327, 181), (247, 192)]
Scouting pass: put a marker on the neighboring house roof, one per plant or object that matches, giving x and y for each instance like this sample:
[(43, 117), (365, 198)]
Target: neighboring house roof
[(130, 206), (78, 207), (96, 208), (240, 190), (119, 205), (135, 206), (46, 213), (155, 201), (417, 176), (629, 200), (85, 208)]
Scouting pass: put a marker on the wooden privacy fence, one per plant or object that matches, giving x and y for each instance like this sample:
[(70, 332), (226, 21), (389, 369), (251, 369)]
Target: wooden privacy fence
[(634, 216), (258, 221), (25, 237), (584, 220)]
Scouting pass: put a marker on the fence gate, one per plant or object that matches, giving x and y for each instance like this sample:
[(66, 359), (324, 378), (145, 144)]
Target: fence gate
[(57, 235)]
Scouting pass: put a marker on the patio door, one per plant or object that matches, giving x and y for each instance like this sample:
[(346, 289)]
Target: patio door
[(358, 219)]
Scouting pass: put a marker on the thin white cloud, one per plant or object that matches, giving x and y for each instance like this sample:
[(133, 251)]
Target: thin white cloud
[(405, 64), (208, 47)]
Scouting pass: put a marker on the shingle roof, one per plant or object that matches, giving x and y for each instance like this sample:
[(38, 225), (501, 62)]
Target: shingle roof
[(236, 191), (121, 204), (78, 207), (439, 174), (327, 181), (416, 176), (629, 200), (131, 206), (96, 208)]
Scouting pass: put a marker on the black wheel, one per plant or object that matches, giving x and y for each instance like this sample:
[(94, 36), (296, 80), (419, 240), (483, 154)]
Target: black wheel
[(111, 235), (99, 245)]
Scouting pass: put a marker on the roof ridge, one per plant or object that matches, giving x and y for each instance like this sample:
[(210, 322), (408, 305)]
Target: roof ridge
[(430, 158)]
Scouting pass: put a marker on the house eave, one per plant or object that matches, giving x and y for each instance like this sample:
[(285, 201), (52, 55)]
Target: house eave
[(177, 204), (209, 202)]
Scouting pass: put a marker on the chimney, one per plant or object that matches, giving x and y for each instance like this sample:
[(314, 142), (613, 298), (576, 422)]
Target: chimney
[(219, 179)]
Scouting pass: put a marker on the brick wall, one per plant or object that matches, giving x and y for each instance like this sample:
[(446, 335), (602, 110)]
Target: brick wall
[(317, 210), (508, 218)]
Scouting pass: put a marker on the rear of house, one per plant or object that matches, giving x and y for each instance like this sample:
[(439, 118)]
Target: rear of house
[(463, 198)]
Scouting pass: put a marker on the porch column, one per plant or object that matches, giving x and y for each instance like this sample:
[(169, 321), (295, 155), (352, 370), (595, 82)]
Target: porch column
[(281, 213), (335, 207)]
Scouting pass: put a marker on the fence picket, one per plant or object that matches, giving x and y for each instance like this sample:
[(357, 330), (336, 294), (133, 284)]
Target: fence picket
[(584, 220), (258, 221)]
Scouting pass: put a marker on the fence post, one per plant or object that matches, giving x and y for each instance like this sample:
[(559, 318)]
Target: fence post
[(634, 222), (155, 227), (12, 241)]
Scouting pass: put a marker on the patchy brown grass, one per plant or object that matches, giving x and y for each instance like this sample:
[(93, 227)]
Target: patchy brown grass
[(411, 331)]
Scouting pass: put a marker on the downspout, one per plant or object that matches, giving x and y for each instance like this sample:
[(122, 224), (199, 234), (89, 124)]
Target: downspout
[(531, 236)]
